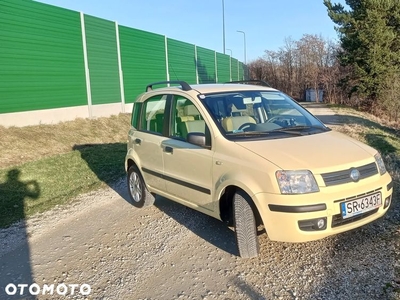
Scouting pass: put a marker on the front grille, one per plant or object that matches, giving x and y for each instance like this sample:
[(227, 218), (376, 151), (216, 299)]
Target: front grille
[(337, 220), (341, 177)]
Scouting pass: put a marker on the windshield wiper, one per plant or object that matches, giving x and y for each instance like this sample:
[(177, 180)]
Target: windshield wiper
[(295, 130), (298, 130), (248, 133)]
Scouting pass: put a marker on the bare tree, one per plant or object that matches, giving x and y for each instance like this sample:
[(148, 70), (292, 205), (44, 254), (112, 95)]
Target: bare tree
[(310, 63)]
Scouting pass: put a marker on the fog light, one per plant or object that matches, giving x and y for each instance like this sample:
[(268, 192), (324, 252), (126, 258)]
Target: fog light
[(387, 202), (321, 223), (313, 224)]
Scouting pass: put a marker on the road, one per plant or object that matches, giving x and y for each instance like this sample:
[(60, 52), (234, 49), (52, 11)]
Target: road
[(168, 251)]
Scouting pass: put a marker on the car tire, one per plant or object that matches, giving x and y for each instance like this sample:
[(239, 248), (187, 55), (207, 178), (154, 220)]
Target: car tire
[(245, 226), (140, 196)]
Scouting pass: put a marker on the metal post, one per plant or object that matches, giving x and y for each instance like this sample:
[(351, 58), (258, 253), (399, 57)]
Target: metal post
[(230, 66), (223, 25), (85, 61), (121, 75)]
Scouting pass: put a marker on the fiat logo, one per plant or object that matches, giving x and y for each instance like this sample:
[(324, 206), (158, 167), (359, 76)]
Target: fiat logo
[(355, 175)]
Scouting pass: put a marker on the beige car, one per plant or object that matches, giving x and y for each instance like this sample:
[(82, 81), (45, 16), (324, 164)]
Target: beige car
[(252, 157)]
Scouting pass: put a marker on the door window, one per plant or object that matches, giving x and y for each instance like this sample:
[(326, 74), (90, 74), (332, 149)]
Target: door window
[(186, 119), (153, 114)]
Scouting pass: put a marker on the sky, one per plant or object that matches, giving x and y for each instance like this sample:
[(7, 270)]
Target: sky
[(265, 23)]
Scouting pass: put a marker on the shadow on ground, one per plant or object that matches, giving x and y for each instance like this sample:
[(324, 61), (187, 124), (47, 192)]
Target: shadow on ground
[(354, 120), (15, 261), (208, 228), (107, 162)]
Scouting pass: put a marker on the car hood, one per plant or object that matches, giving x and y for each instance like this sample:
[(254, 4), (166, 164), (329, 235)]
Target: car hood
[(320, 153)]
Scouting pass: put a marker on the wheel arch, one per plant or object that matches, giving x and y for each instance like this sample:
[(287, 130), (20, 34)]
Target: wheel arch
[(129, 163), (226, 204)]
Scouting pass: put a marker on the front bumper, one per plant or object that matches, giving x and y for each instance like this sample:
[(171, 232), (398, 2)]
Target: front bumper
[(308, 217)]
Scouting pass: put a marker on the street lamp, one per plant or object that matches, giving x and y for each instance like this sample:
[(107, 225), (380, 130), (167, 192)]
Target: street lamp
[(244, 43), (229, 50), (223, 25)]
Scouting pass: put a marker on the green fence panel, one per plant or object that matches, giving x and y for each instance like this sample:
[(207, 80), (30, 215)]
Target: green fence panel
[(42, 62), (143, 60), (206, 65), (102, 53), (223, 67), (234, 69), (41, 57), (241, 71), (181, 61)]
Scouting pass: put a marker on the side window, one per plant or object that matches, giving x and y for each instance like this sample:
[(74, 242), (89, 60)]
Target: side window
[(153, 114), (187, 119)]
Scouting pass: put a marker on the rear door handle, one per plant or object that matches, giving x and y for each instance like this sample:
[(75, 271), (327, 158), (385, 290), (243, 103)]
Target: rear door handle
[(168, 149)]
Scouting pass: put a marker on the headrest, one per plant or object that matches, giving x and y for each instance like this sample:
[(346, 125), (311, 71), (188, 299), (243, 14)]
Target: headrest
[(238, 103), (190, 110), (236, 109)]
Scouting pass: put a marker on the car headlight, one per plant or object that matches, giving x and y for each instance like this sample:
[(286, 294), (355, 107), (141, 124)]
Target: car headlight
[(380, 163), (296, 182)]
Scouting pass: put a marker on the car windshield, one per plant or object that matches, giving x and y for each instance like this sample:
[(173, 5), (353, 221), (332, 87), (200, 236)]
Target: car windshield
[(266, 114)]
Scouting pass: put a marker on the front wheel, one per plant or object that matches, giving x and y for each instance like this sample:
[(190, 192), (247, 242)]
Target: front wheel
[(138, 192), (245, 226)]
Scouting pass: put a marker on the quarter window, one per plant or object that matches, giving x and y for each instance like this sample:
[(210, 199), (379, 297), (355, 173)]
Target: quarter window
[(136, 114)]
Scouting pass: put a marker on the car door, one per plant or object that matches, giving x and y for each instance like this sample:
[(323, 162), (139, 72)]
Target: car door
[(147, 141), (187, 167)]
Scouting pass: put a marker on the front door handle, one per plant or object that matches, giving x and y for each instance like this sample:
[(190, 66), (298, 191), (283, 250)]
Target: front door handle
[(169, 149), (138, 141)]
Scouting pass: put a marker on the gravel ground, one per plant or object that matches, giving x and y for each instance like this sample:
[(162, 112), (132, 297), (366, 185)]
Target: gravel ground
[(168, 251)]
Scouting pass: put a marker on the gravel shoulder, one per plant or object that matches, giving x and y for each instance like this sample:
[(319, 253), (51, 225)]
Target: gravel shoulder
[(168, 251)]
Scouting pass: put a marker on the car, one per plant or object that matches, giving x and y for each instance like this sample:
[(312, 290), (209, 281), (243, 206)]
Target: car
[(253, 158)]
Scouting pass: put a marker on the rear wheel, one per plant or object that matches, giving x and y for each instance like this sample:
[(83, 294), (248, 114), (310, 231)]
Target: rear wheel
[(245, 226), (138, 192)]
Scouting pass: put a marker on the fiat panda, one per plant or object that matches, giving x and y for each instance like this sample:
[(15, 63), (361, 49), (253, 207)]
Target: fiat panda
[(253, 158)]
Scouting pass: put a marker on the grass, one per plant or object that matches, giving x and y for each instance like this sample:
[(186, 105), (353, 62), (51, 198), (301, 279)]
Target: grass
[(48, 165), (378, 133)]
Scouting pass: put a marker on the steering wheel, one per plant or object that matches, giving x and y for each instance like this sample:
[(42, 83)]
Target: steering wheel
[(281, 121), (273, 119), (248, 126)]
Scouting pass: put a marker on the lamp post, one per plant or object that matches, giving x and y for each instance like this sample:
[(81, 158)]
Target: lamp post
[(244, 43), (223, 25), (229, 50)]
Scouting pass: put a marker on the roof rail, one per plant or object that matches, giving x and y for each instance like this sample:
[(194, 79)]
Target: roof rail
[(252, 81), (184, 85)]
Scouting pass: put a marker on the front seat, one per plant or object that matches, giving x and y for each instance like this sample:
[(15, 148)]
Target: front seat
[(238, 118), (191, 121)]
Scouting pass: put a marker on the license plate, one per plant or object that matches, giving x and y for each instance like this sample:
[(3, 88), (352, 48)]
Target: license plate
[(361, 205)]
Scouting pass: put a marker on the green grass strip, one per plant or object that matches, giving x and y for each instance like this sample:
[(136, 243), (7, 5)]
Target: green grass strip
[(38, 186)]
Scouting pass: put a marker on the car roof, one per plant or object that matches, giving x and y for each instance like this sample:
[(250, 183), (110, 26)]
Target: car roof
[(228, 87), (207, 88)]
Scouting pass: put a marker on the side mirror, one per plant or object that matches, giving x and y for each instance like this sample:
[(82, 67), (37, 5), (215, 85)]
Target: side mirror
[(197, 138)]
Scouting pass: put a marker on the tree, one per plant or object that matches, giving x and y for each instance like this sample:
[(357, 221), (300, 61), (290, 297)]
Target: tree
[(369, 33), (312, 57), (308, 63)]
